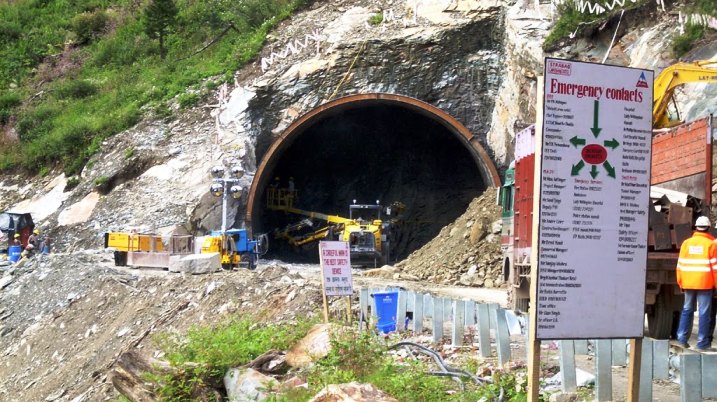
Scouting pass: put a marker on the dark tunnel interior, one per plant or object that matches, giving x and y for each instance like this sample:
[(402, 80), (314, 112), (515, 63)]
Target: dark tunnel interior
[(375, 152)]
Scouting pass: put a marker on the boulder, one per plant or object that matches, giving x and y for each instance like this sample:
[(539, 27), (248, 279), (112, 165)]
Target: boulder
[(352, 392), (195, 263), (247, 385), (315, 345)]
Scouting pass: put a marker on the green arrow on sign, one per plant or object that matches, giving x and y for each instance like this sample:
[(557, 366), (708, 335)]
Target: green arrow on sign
[(595, 129), (594, 171), (609, 168), (577, 141), (611, 143), (576, 168)]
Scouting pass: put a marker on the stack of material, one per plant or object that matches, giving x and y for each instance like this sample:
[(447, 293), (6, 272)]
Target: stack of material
[(672, 215)]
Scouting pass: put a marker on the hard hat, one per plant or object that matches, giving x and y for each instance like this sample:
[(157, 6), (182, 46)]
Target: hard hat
[(702, 222), (17, 235), (36, 231)]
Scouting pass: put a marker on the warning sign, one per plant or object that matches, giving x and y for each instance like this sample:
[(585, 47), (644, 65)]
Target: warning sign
[(336, 268)]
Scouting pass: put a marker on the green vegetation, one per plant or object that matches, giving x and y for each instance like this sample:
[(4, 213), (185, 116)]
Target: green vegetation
[(72, 182), (694, 32), (682, 44), (75, 73), (201, 358), (571, 18), (160, 17), (101, 181), (129, 152), (213, 350), (376, 19)]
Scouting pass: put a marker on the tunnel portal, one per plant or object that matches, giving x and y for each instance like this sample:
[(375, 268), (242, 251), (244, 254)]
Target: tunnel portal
[(374, 148)]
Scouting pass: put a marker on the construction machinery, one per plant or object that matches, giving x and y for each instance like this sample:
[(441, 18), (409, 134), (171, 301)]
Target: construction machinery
[(235, 247), (366, 232), (671, 78), (151, 250), (147, 249)]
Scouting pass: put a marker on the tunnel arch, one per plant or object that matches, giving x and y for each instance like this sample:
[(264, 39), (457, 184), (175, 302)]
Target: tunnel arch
[(263, 174)]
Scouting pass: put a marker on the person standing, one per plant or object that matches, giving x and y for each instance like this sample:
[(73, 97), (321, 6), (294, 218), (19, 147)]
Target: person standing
[(695, 276)]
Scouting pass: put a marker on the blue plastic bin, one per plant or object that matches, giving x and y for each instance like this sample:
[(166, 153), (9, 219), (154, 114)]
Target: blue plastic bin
[(14, 253), (387, 310)]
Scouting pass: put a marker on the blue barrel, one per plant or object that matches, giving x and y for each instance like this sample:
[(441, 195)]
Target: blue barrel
[(387, 310), (14, 253)]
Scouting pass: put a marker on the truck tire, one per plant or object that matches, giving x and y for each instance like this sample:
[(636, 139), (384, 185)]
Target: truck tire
[(661, 315), (250, 260)]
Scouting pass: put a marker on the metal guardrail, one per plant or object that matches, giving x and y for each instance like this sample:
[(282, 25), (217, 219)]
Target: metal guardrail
[(489, 325)]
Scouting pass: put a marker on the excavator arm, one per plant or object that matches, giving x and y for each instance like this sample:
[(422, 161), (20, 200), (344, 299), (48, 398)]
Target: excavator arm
[(673, 77)]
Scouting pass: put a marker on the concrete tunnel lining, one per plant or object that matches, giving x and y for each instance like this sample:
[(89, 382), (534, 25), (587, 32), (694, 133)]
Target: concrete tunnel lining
[(426, 117)]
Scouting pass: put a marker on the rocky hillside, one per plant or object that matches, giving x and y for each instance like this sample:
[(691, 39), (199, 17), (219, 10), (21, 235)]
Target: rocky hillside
[(466, 252), (65, 318)]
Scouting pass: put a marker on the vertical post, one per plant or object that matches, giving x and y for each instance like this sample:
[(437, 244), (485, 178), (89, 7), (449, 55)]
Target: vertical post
[(363, 301), (633, 370), (483, 330), (619, 352), (690, 377), (709, 368), (418, 313), (661, 359), (224, 211), (567, 366), (644, 373), (708, 167), (533, 360), (603, 352), (348, 309), (502, 337), (437, 319), (401, 313), (458, 322)]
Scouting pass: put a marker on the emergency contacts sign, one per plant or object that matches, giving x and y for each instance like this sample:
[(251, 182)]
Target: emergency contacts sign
[(336, 268), (594, 199)]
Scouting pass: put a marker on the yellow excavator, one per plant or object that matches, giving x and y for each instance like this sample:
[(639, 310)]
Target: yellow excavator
[(673, 77), (365, 230)]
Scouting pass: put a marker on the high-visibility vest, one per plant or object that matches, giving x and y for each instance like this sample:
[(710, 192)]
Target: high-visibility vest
[(698, 257)]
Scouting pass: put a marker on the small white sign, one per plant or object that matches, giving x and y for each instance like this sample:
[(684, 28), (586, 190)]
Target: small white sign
[(336, 268)]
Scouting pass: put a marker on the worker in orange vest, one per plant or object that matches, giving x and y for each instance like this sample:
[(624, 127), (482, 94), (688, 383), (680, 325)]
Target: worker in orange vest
[(695, 276)]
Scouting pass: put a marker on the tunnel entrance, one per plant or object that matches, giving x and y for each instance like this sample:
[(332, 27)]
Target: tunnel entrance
[(375, 148)]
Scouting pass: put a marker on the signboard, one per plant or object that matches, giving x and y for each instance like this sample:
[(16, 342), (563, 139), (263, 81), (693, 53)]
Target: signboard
[(336, 268), (594, 200)]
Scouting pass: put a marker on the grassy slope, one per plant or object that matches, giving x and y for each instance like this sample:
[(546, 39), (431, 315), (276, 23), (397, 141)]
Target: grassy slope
[(73, 73)]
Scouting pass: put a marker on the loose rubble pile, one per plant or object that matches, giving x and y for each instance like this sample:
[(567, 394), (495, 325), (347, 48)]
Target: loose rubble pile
[(65, 319), (466, 252)]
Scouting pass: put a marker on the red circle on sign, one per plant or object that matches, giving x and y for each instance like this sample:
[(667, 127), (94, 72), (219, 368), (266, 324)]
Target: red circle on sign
[(594, 154)]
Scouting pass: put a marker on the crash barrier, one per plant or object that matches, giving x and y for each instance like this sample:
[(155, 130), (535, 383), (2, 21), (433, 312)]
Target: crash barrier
[(696, 371), (493, 326), (414, 310)]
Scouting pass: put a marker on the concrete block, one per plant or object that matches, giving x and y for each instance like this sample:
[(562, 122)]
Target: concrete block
[(196, 263)]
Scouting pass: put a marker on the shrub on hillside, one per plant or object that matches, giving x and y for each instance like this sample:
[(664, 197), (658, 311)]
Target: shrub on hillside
[(8, 101), (89, 25), (75, 89), (682, 44), (36, 122)]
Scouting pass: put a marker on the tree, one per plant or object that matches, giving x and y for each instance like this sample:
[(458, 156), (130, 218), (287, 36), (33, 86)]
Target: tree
[(159, 18)]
